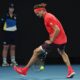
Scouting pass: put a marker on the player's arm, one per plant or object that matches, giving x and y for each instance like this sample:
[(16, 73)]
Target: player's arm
[(56, 32)]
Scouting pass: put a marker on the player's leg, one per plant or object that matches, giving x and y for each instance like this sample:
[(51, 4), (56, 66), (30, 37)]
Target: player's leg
[(64, 57), (33, 59), (67, 62)]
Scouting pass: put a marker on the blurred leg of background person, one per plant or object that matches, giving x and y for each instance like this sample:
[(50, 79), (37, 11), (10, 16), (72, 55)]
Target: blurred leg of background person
[(9, 44), (12, 54), (4, 55), (12, 43)]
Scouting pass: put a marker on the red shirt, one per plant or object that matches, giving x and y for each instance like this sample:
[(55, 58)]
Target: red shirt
[(48, 19)]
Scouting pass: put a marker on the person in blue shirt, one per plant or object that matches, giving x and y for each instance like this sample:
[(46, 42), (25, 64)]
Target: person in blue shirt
[(9, 36)]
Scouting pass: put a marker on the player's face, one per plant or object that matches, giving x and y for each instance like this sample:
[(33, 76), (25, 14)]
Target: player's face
[(40, 13)]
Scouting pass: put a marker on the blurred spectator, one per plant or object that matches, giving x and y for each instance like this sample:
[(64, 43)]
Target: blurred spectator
[(9, 37)]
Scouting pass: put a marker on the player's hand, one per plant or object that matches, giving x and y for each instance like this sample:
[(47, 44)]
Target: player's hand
[(48, 42)]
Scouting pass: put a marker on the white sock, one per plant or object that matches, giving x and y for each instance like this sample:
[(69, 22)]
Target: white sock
[(12, 58), (4, 60)]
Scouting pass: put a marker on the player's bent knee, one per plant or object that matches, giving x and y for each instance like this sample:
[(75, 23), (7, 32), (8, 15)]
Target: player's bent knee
[(36, 51)]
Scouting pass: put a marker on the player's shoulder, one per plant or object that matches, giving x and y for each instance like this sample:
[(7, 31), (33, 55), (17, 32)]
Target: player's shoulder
[(49, 15)]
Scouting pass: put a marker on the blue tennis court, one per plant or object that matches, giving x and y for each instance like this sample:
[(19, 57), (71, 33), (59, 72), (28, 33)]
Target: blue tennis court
[(51, 72)]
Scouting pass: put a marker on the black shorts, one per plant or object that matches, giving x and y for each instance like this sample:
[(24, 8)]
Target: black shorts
[(47, 48), (51, 47), (9, 37)]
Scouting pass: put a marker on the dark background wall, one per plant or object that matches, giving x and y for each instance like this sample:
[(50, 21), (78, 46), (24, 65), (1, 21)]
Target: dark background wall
[(31, 31)]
